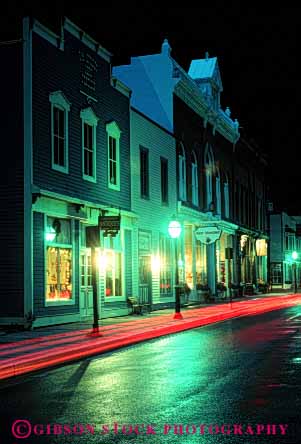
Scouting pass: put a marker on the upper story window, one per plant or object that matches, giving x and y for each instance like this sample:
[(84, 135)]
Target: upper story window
[(226, 199), (144, 172), (113, 134), (164, 180), (60, 108), (89, 124), (194, 180), (218, 194), (209, 171), (182, 173)]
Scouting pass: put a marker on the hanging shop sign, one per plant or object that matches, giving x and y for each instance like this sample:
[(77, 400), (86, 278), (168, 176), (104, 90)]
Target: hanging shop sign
[(208, 235), (110, 225)]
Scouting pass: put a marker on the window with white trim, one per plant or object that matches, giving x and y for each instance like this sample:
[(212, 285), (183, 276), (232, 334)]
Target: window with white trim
[(59, 261), (89, 124), (113, 134), (60, 108), (112, 261), (182, 173), (194, 180)]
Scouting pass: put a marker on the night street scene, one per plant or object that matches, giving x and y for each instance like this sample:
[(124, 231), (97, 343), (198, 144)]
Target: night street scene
[(150, 225)]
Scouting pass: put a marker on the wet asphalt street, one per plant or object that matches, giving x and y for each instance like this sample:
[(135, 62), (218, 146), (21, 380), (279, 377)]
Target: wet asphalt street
[(242, 377)]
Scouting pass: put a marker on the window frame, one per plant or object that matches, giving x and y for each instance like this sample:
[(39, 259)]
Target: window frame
[(71, 246), (120, 249), (114, 132), (226, 200), (164, 187), (88, 117), (182, 173), (59, 101), (143, 150), (194, 180)]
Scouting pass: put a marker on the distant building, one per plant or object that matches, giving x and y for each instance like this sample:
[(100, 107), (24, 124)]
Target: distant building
[(154, 202), (285, 238), (220, 178)]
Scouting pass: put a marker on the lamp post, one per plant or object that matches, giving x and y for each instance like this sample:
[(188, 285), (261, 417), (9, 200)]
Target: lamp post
[(174, 230), (93, 241), (294, 266)]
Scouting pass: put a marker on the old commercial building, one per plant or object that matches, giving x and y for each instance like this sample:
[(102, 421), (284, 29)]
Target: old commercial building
[(66, 129), (153, 166), (216, 191), (285, 250)]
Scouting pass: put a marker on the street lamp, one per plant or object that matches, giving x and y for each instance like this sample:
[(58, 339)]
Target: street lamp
[(294, 266), (174, 230)]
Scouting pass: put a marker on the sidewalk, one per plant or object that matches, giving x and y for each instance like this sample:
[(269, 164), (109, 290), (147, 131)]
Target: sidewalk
[(24, 352)]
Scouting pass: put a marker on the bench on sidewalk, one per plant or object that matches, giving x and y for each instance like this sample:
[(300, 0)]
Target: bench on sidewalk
[(135, 306)]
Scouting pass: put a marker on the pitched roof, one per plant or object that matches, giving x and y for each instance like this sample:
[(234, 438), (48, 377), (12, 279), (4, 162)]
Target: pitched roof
[(202, 68)]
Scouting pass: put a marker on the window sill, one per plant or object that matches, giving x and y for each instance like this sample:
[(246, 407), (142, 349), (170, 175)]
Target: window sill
[(89, 178), (60, 169), (114, 299), (57, 302), (114, 187)]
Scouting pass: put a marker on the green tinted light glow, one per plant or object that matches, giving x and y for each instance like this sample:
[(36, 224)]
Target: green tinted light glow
[(294, 254), (174, 229)]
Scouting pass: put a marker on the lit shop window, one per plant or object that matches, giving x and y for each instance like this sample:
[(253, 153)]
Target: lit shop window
[(111, 261), (165, 266), (58, 260)]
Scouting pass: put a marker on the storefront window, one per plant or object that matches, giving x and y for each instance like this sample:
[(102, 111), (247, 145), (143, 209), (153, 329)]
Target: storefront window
[(188, 256), (59, 274), (220, 258), (201, 267), (165, 266), (112, 256), (59, 261)]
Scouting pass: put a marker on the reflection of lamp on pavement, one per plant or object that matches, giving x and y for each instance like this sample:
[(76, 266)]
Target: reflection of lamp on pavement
[(294, 266), (174, 230)]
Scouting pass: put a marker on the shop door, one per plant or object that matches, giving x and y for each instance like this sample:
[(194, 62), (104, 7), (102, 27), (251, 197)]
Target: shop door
[(145, 280), (86, 289)]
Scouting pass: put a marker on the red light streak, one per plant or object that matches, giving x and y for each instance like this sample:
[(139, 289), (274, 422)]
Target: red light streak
[(37, 353)]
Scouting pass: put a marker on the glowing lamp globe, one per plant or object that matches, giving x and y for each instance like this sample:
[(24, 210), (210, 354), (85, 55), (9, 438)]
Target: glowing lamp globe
[(294, 255), (50, 234), (174, 229)]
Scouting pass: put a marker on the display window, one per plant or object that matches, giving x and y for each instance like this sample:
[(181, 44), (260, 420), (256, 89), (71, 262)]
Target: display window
[(59, 269)]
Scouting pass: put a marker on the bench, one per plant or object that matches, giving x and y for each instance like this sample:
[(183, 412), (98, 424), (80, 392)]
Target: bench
[(134, 304)]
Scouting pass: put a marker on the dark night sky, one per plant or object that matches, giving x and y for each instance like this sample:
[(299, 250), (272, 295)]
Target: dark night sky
[(257, 51)]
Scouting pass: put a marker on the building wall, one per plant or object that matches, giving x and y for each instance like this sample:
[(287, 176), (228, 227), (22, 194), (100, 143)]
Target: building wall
[(59, 70), (12, 182), (276, 238), (153, 215)]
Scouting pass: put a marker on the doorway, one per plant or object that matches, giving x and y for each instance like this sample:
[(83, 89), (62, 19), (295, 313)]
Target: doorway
[(86, 289)]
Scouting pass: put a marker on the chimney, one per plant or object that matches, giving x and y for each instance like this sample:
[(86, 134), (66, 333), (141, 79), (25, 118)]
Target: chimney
[(165, 49)]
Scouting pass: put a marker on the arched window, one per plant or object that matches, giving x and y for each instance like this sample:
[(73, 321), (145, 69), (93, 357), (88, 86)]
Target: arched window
[(194, 180), (182, 172), (209, 170), (218, 193), (226, 198)]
